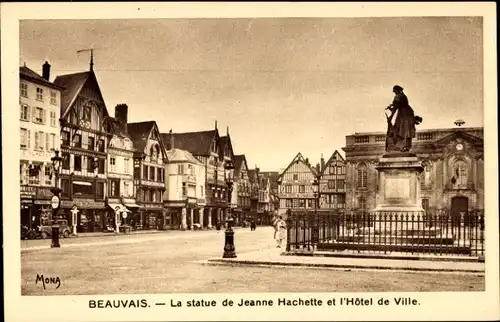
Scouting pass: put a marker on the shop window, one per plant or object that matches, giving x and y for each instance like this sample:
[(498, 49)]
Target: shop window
[(83, 188)]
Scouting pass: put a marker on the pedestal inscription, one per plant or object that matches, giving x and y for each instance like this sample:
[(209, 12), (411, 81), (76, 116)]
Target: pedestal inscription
[(397, 188)]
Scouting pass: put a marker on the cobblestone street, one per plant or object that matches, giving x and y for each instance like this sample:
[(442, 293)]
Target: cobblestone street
[(166, 263)]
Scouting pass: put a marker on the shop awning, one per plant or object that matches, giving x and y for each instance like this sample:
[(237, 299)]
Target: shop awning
[(132, 205), (118, 207)]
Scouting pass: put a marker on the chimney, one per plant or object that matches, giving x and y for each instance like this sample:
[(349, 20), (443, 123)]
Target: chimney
[(121, 114), (172, 139), (318, 168), (46, 71), (322, 162)]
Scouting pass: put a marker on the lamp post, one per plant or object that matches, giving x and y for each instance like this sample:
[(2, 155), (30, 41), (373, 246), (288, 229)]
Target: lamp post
[(55, 201), (229, 249)]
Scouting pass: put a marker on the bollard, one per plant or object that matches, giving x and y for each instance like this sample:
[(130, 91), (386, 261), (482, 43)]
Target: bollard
[(55, 237)]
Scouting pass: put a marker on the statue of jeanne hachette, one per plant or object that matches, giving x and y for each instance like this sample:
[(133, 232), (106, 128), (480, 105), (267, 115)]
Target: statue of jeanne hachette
[(400, 133)]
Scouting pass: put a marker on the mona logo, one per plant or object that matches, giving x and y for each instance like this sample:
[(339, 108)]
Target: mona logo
[(48, 281)]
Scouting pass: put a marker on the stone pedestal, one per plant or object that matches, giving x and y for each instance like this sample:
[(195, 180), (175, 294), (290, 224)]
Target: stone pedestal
[(399, 183)]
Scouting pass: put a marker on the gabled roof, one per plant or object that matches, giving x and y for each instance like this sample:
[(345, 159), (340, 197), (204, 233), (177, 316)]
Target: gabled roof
[(239, 160), (252, 175), (197, 143), (335, 156), (139, 133), (273, 178), (178, 155), (226, 141), (28, 74), (118, 127), (298, 158)]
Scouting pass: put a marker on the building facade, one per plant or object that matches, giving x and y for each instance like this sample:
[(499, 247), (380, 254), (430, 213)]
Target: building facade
[(207, 148), (295, 186), (85, 134), (149, 175), (453, 161), (241, 189), (332, 183), (40, 103), (121, 193), (185, 194)]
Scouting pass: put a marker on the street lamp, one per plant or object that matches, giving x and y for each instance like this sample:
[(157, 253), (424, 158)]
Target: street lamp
[(229, 249), (55, 201), (315, 187)]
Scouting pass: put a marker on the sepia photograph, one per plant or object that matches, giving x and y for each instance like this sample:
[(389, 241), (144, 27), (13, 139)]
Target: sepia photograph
[(319, 161)]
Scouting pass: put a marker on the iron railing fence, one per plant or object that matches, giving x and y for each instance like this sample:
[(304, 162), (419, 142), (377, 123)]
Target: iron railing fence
[(436, 232)]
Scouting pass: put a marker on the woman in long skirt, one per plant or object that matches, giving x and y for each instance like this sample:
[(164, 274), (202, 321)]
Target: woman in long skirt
[(280, 234)]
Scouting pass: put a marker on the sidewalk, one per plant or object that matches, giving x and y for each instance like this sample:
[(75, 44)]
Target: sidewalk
[(274, 257), (142, 232)]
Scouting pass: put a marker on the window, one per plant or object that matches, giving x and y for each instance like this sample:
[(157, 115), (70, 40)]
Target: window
[(90, 164), (77, 139), (295, 177), (39, 94), (83, 188), (460, 174), (362, 139), (25, 112), (153, 196), (341, 201), (65, 138), (65, 187), (91, 143), (39, 115), (100, 145), (145, 172), (53, 97), (48, 176), (154, 153), (159, 175), (101, 166), (331, 169), (126, 189), (99, 190), (340, 184), (425, 204), (288, 203), (34, 174), (78, 163), (331, 184), (152, 173), (39, 141), (87, 113), (47, 142), (184, 191), (112, 164), (302, 188), (146, 195), (362, 177), (288, 189), (126, 164), (23, 89), (24, 139), (65, 161), (180, 170), (362, 203), (114, 188), (52, 118)]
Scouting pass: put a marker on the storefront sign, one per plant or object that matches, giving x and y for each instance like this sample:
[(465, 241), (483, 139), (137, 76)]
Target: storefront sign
[(28, 192), (44, 193), (152, 206), (42, 202), (83, 204), (26, 201)]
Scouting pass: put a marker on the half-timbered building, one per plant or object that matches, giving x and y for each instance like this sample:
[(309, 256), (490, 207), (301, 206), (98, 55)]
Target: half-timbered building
[(295, 186), (85, 134), (149, 175), (241, 190), (332, 183)]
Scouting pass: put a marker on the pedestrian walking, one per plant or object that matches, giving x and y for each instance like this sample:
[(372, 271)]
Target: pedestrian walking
[(252, 224), (280, 231)]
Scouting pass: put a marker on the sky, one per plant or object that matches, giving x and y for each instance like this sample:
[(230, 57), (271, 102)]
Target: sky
[(281, 85)]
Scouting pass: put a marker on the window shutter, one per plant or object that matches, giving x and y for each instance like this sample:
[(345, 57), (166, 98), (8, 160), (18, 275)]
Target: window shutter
[(44, 116), (36, 140), (28, 134), (33, 114), (41, 136)]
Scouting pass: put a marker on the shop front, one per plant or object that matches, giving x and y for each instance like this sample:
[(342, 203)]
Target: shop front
[(93, 216), (150, 216), (134, 216), (119, 216), (35, 205)]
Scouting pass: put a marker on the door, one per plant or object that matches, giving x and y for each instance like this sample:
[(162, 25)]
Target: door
[(459, 210)]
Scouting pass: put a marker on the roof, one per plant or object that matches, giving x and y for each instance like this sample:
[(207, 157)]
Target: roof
[(72, 83), (238, 163), (197, 143), (331, 159), (252, 175), (273, 178), (139, 133), (29, 74), (178, 155), (300, 158)]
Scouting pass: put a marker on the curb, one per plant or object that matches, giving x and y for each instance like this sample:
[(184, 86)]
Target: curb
[(348, 266), (475, 259)]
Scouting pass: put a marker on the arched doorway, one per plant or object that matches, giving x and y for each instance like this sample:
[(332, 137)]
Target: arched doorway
[(459, 209)]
